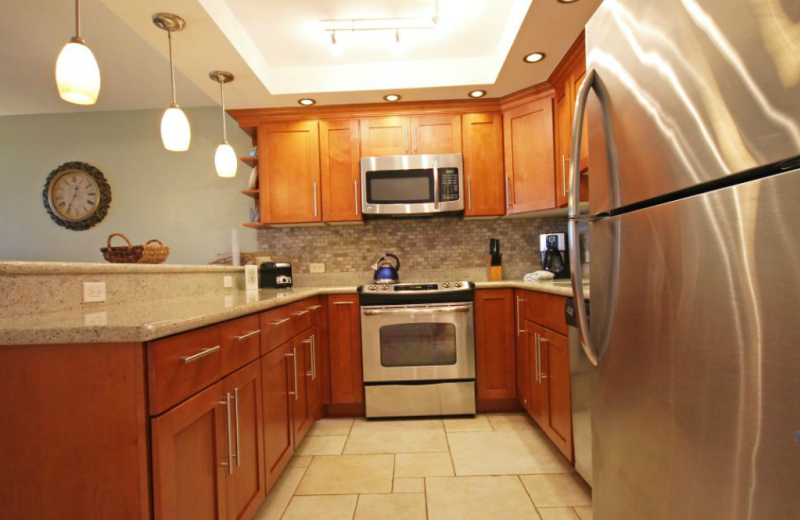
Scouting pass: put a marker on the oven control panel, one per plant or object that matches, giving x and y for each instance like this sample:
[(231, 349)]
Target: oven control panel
[(416, 288)]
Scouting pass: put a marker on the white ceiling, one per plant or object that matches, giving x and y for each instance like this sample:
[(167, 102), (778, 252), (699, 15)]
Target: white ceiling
[(279, 52)]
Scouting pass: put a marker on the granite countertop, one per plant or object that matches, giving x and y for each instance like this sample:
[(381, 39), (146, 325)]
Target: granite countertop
[(141, 321)]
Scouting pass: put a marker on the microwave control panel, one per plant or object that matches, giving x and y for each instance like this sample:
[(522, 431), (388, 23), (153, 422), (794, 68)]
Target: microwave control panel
[(448, 184)]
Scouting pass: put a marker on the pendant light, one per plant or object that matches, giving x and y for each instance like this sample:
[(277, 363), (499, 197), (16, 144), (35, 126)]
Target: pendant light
[(175, 131), (225, 159), (77, 73)]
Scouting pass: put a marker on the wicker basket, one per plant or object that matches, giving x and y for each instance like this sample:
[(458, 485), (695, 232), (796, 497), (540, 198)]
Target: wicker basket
[(129, 254), (154, 254)]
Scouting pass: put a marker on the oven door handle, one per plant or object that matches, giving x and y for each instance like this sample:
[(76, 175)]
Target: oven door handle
[(432, 310)]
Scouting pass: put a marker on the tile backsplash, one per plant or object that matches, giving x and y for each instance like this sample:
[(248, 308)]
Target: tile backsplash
[(421, 244)]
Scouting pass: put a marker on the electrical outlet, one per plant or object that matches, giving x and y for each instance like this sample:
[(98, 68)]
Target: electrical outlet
[(94, 292), (227, 281), (316, 268), (95, 319)]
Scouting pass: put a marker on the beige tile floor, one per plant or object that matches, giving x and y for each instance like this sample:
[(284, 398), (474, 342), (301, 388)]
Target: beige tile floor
[(496, 466)]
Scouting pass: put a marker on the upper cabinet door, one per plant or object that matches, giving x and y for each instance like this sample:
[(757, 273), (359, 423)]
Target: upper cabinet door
[(288, 172), (436, 134), (528, 133), (483, 164), (382, 136), (564, 102), (340, 170)]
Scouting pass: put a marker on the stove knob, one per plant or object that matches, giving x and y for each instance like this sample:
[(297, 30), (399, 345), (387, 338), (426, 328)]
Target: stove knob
[(446, 285), (385, 288), (459, 284), (373, 287)]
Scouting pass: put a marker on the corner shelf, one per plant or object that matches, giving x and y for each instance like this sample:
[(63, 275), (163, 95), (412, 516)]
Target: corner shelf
[(251, 161)]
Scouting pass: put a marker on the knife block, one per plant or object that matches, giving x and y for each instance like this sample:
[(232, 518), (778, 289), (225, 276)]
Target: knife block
[(494, 273)]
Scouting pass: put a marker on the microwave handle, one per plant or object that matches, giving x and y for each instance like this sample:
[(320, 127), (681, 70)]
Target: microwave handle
[(436, 184)]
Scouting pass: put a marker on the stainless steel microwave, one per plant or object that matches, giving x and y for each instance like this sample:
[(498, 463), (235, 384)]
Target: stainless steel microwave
[(412, 184)]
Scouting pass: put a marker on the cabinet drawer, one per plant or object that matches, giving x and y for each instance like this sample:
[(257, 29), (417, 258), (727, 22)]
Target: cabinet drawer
[(180, 366), (282, 324), (546, 310), (302, 315), (241, 340)]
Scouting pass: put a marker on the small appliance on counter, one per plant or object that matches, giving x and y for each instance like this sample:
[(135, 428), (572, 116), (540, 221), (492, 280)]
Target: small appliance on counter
[(555, 258), (385, 272), (275, 275)]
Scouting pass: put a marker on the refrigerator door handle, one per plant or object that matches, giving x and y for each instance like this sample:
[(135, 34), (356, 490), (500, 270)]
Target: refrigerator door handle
[(590, 83)]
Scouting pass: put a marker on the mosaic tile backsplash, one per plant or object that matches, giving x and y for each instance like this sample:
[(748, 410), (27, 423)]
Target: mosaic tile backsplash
[(436, 243)]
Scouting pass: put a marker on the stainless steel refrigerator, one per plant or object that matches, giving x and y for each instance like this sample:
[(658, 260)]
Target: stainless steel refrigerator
[(693, 109)]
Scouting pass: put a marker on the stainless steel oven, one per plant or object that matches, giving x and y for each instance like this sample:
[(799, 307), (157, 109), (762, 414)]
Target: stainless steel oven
[(418, 349), (412, 184)]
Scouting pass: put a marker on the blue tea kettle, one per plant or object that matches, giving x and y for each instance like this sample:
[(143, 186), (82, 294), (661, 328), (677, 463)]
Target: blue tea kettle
[(385, 272)]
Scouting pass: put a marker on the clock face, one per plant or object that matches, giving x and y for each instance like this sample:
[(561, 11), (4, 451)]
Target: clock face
[(74, 195)]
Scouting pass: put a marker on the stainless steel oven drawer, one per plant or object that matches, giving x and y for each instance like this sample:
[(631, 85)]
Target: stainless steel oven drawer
[(452, 398)]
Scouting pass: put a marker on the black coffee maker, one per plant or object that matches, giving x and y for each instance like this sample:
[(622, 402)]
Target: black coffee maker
[(555, 257)]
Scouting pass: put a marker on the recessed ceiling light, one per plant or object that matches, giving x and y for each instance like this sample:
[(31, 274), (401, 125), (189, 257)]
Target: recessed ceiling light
[(392, 97), (534, 57), (477, 93), (307, 102)]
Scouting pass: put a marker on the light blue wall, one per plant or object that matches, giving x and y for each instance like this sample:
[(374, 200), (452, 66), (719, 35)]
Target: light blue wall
[(176, 197)]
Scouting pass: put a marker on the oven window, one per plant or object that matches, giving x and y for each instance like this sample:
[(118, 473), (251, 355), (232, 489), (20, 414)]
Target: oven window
[(418, 344), (400, 187)]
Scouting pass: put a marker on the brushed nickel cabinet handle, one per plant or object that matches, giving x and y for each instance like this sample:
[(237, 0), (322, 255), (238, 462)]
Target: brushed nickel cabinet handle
[(199, 355), (313, 356), (315, 199), (564, 175), (519, 323), (542, 373), (236, 415), (300, 313), (315, 307), (355, 194), (469, 191), (408, 129), (227, 404), (343, 303), (508, 195), (248, 335), (280, 322), (293, 355)]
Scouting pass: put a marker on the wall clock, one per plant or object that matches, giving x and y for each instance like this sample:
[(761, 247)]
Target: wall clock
[(76, 195)]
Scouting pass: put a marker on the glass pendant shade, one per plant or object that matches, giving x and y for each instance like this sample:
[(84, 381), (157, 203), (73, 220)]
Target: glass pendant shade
[(175, 131), (225, 160), (77, 74)]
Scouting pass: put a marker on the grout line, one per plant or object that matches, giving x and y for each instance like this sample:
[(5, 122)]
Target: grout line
[(355, 509)]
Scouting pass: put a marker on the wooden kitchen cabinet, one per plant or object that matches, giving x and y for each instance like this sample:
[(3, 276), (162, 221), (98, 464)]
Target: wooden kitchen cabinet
[(340, 170), (381, 136), (482, 137), (277, 383), (289, 172), (189, 446), (495, 345), (555, 352), (344, 349), (436, 134), (522, 347), (528, 142)]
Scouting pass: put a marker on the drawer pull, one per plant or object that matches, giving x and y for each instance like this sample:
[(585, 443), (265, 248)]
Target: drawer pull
[(314, 307), (201, 354), (343, 303), (248, 335), (298, 314), (280, 322)]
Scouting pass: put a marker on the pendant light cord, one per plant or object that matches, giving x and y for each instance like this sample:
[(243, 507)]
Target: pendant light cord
[(222, 96), (77, 18), (171, 68)]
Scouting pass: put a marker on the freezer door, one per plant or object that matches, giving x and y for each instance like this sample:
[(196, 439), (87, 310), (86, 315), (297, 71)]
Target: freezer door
[(697, 411), (698, 90)]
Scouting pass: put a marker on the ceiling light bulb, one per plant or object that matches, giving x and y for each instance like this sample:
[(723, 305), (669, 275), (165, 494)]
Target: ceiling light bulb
[(77, 73), (225, 160), (534, 57), (477, 93), (176, 134), (391, 97), (336, 47), (306, 102)]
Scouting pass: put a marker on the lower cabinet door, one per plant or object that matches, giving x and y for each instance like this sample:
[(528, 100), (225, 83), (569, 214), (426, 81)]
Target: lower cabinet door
[(495, 356), (344, 349), (300, 418), (190, 458), (522, 347), (559, 402), (538, 374), (312, 345), (247, 486), (276, 384)]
